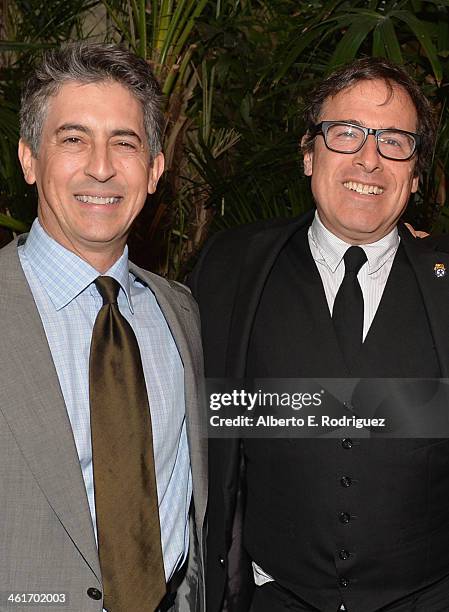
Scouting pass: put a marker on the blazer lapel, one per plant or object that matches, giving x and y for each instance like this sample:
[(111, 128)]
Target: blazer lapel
[(184, 328), (432, 272), (35, 409), (260, 257)]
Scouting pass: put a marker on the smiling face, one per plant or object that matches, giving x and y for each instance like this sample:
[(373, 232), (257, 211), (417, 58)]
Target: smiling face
[(93, 170), (360, 196)]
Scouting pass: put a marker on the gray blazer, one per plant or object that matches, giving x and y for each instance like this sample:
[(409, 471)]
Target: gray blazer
[(47, 544)]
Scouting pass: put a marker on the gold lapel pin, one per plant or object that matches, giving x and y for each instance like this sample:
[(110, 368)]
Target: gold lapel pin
[(439, 270)]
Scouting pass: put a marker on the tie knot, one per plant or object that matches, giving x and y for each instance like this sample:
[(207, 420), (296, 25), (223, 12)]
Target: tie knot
[(108, 288), (354, 259)]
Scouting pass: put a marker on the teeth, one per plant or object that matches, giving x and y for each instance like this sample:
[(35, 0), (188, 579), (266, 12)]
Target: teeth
[(362, 188), (96, 199)]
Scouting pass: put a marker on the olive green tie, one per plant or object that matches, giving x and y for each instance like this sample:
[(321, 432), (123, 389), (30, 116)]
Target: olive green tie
[(129, 539)]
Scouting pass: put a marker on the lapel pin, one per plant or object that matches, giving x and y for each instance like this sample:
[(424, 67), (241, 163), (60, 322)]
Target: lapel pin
[(439, 270)]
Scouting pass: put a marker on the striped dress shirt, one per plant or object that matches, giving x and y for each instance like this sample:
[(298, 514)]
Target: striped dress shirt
[(328, 251)]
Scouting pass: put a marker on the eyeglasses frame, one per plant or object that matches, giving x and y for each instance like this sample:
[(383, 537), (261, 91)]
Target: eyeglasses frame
[(323, 127)]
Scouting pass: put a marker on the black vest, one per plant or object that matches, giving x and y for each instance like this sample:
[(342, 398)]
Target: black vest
[(365, 522)]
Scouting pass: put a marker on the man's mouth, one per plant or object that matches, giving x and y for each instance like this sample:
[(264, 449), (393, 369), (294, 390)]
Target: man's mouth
[(102, 200), (363, 188)]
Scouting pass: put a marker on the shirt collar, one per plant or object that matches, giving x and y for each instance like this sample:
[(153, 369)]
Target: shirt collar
[(62, 273), (332, 248)]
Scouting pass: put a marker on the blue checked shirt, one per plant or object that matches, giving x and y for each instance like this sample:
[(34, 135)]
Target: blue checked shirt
[(68, 303)]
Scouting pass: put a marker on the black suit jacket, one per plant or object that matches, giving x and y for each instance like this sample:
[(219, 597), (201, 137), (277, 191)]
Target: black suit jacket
[(227, 283)]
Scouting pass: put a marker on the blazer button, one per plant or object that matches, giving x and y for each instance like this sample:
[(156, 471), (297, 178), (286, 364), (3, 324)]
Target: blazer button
[(94, 593), (344, 517), (347, 443), (221, 561), (343, 554), (344, 582), (345, 481)]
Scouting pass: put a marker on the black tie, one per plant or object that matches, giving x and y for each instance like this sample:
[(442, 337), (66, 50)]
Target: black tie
[(129, 540), (347, 314)]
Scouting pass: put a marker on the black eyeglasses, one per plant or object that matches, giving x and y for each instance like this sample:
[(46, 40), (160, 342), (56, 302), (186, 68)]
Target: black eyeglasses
[(344, 137)]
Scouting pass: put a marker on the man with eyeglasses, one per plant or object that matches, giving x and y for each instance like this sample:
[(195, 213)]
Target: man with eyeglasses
[(344, 292)]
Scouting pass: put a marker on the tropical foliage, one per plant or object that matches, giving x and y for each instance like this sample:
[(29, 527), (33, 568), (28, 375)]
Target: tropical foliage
[(236, 75), (270, 57)]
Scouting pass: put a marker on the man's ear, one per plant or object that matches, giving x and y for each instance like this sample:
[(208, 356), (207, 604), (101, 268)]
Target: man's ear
[(157, 168), (27, 161), (415, 183), (307, 156)]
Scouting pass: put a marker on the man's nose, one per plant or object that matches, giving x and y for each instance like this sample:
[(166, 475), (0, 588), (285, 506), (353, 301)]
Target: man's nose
[(99, 164), (369, 157)]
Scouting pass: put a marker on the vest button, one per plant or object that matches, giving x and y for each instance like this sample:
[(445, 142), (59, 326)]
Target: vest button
[(347, 443), (344, 582), (344, 554), (345, 481), (344, 517), (221, 561), (94, 593)]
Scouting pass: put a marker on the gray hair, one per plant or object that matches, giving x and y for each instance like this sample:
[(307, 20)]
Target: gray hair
[(88, 62)]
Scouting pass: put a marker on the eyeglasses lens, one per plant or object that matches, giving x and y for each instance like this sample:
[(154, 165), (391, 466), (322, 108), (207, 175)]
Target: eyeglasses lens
[(396, 144), (348, 139)]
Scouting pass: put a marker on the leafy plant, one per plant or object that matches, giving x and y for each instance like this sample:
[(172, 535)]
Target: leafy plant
[(236, 75), (269, 58)]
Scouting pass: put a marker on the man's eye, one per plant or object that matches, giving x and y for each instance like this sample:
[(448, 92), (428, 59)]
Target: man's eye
[(344, 132), (392, 142), (348, 134), (72, 140), (126, 145)]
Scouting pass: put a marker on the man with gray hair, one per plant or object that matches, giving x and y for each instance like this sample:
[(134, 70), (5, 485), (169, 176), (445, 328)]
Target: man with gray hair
[(100, 449)]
